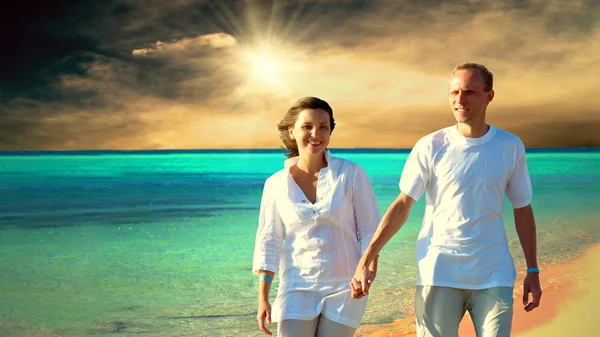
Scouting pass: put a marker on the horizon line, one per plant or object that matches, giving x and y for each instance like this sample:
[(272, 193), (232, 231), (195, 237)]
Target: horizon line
[(260, 150)]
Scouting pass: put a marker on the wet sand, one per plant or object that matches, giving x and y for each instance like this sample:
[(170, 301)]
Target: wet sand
[(570, 304)]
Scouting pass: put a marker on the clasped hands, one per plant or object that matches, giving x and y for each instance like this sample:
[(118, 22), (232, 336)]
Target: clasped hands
[(363, 279)]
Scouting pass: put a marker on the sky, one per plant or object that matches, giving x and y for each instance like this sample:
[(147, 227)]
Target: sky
[(219, 74)]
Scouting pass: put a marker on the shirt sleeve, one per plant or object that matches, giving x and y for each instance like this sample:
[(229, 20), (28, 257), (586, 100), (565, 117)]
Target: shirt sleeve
[(366, 212), (415, 174), (270, 234), (518, 188)]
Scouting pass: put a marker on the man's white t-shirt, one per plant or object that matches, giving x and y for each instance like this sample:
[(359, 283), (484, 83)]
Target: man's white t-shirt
[(462, 242)]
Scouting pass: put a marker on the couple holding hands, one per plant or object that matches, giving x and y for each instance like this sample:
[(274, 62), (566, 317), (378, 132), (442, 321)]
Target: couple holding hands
[(321, 231)]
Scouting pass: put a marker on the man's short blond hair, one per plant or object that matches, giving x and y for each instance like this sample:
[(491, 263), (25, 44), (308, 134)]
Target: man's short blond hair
[(488, 77)]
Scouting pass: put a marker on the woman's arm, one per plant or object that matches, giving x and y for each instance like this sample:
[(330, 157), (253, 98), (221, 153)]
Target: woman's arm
[(267, 251), (264, 307)]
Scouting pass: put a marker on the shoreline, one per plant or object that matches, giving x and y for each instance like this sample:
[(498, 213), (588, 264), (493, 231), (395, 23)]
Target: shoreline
[(569, 304)]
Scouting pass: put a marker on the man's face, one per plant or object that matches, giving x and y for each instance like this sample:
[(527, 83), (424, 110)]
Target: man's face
[(467, 97)]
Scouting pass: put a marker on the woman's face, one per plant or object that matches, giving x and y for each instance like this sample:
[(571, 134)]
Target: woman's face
[(311, 131)]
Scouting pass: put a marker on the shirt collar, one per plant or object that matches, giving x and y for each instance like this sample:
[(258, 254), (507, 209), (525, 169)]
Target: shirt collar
[(294, 160), (460, 139)]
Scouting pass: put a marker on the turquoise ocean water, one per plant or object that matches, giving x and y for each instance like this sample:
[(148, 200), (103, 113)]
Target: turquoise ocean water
[(160, 243)]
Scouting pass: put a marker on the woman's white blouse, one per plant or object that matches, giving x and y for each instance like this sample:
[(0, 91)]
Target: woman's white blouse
[(313, 246)]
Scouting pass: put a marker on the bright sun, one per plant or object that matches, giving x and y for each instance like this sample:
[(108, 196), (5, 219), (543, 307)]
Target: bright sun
[(264, 66)]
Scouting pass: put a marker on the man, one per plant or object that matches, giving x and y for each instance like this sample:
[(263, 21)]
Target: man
[(464, 263)]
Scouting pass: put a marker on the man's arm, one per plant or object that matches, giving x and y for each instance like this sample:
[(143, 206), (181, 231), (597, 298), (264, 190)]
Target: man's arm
[(526, 230), (390, 224)]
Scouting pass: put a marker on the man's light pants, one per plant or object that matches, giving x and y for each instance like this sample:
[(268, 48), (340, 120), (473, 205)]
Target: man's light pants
[(439, 310)]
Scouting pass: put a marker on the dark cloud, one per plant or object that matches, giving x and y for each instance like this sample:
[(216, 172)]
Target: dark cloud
[(152, 74), (16, 132), (559, 134), (37, 40)]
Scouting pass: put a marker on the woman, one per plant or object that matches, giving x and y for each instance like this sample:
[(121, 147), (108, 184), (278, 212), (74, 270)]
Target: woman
[(317, 217)]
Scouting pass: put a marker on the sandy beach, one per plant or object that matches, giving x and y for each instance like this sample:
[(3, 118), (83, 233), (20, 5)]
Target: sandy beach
[(569, 306)]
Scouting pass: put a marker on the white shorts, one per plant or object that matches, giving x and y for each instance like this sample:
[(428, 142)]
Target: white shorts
[(333, 301), (318, 327)]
